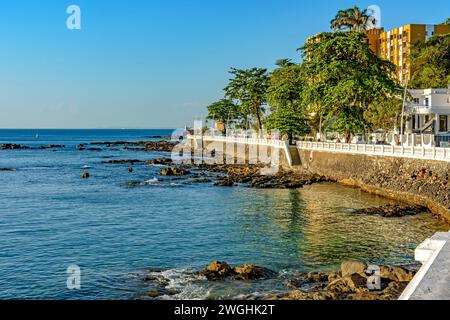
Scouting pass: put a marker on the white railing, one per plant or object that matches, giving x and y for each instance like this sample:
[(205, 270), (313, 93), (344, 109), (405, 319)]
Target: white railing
[(253, 141), (430, 153), (279, 144)]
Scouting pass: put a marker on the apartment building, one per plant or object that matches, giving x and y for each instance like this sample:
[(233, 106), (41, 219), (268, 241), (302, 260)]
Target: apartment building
[(395, 45)]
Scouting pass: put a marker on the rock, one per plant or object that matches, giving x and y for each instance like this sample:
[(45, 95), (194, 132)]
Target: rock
[(122, 161), (224, 183), (250, 272), (351, 267), (174, 172), (135, 183), (217, 270), (394, 290), (333, 276), (365, 296), (393, 211), (159, 161), (8, 169), (10, 146), (301, 295), (155, 293), (317, 277), (85, 175), (166, 146), (354, 283), (201, 181), (397, 274)]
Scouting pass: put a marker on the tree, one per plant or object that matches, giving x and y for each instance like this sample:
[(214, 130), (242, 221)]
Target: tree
[(248, 88), (285, 96), (223, 111), (344, 77), (447, 21), (384, 113), (288, 121), (430, 63), (354, 19)]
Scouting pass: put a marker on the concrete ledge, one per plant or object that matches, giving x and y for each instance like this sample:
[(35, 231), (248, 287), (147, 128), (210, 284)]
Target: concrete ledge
[(432, 281)]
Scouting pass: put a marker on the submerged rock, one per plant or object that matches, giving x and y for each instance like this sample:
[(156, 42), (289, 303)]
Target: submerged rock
[(85, 175), (159, 161), (393, 211), (155, 293), (123, 161), (174, 172)]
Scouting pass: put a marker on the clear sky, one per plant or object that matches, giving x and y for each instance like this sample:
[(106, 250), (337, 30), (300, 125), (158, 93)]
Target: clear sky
[(155, 63)]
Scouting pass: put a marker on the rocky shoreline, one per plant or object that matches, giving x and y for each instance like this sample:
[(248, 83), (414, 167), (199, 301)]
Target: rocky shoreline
[(160, 145), (351, 282), (11, 146)]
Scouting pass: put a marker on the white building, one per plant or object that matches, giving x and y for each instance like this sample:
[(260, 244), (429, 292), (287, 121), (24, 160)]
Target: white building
[(429, 113)]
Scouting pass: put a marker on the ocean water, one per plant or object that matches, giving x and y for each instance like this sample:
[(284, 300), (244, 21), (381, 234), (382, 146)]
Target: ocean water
[(51, 219)]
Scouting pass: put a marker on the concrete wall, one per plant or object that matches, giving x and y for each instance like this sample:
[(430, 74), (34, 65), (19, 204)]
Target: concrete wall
[(421, 182)]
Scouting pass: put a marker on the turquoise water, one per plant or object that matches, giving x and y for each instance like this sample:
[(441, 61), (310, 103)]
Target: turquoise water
[(50, 219)]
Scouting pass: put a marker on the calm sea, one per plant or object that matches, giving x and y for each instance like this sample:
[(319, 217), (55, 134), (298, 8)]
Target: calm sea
[(51, 219)]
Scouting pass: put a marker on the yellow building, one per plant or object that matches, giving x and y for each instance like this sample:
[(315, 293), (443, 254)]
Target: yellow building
[(395, 45)]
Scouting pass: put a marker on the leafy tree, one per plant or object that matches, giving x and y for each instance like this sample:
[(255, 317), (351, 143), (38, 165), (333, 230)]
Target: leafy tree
[(288, 121), (285, 96), (344, 77), (223, 111), (430, 63), (354, 19), (447, 21), (384, 113), (248, 88)]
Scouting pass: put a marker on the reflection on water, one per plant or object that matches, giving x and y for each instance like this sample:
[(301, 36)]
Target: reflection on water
[(316, 229), (50, 219)]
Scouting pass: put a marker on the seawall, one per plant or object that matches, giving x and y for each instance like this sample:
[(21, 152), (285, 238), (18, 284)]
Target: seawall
[(411, 180), (416, 181)]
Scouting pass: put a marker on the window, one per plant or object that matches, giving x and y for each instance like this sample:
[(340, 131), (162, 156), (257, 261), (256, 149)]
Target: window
[(427, 102), (443, 123), (416, 101)]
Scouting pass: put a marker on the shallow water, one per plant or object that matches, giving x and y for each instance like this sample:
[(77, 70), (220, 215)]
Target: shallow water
[(50, 219)]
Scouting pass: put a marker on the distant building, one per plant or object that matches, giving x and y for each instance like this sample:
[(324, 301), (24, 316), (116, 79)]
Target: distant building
[(395, 45), (429, 113)]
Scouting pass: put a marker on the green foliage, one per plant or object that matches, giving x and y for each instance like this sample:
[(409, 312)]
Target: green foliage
[(224, 111), (447, 21), (353, 19), (285, 95), (248, 88), (384, 113), (345, 76), (430, 63), (348, 120), (287, 121)]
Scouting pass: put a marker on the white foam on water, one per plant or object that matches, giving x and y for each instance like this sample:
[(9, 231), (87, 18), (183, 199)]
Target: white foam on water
[(151, 181), (187, 284)]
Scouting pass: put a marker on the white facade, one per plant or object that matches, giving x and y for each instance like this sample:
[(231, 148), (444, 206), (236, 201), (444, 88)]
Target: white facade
[(429, 112)]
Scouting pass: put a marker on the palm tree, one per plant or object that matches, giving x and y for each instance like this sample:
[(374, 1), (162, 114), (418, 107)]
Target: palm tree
[(353, 19)]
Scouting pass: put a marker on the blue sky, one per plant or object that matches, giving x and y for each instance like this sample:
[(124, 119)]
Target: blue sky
[(155, 63)]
